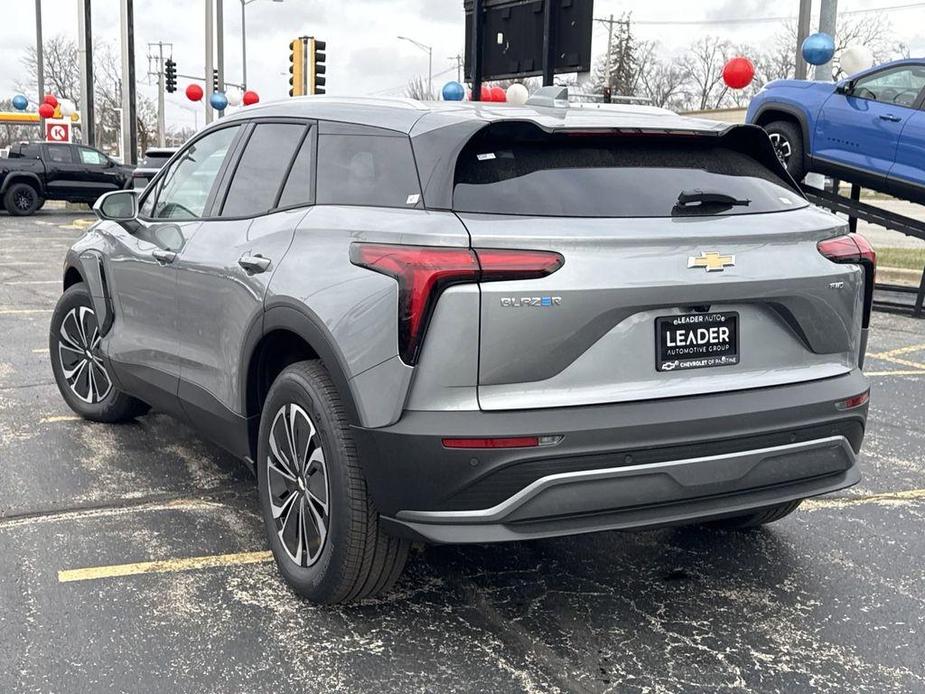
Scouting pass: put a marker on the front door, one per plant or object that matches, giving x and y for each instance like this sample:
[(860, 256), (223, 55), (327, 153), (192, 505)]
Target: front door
[(61, 167), (143, 342), (224, 270), (861, 128)]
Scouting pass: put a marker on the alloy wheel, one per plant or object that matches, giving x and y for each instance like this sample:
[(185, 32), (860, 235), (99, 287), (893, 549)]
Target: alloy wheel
[(24, 200), (297, 482), (781, 147), (82, 368)]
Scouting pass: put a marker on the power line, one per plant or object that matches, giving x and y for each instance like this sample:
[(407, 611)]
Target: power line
[(762, 20)]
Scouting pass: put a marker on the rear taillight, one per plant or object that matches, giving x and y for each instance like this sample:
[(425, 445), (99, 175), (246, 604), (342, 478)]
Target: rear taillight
[(856, 250), (854, 402), (423, 272)]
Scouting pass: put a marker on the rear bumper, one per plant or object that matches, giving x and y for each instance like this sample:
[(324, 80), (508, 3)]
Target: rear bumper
[(618, 466)]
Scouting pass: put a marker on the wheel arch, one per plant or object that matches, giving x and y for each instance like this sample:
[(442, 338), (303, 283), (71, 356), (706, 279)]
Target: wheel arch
[(23, 177), (287, 333), (772, 112)]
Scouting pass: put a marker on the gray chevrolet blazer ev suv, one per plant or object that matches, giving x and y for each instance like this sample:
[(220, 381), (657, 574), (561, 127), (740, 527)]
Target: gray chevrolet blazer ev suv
[(458, 322)]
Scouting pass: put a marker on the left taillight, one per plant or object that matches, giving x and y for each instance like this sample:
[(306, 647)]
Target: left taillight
[(856, 250), (423, 272)]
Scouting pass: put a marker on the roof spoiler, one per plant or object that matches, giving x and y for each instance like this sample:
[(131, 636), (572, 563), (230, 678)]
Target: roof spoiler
[(551, 97)]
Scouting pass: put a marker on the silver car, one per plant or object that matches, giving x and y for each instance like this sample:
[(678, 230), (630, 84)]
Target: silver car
[(452, 322)]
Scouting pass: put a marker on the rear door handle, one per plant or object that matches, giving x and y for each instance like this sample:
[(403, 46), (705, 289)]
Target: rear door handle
[(254, 263), (163, 257), (890, 117)]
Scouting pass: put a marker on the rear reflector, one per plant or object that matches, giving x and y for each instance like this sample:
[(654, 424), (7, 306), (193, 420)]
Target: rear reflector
[(511, 442), (852, 403), (423, 272)]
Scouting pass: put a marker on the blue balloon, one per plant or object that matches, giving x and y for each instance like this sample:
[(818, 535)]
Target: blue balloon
[(20, 102), (218, 100), (818, 48), (453, 91)]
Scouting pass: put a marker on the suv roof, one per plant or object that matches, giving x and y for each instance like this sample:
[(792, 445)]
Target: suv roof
[(415, 117)]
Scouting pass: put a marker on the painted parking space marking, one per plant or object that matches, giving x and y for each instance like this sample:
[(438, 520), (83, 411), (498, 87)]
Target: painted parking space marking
[(60, 418), (23, 311), (40, 350), (910, 372), (17, 283), (164, 566), (80, 223), (885, 499), (894, 356)]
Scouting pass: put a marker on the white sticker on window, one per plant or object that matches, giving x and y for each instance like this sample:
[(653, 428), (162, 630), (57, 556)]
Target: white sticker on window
[(486, 156), (413, 199)]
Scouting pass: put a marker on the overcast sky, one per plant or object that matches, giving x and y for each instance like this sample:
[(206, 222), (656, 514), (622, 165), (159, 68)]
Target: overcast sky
[(364, 57)]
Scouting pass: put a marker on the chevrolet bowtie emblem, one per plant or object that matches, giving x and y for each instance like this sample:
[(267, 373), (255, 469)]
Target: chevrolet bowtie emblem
[(713, 261)]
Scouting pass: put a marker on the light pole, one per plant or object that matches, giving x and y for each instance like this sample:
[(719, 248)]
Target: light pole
[(430, 63), (245, 3)]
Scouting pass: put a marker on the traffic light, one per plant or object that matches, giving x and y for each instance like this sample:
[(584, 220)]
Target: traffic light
[(297, 66), (214, 80), (316, 68), (170, 76)]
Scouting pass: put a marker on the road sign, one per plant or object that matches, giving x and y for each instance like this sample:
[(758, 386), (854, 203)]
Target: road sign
[(57, 130)]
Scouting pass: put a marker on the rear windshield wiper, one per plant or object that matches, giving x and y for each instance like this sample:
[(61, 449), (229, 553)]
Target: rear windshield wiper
[(688, 198)]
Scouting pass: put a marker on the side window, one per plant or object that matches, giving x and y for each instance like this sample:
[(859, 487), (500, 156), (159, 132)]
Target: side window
[(899, 86), (59, 155), (91, 156), (262, 169), (367, 166), (298, 188), (185, 187)]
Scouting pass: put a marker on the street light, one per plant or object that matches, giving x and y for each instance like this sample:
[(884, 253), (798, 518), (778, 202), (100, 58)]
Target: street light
[(430, 62), (245, 3)]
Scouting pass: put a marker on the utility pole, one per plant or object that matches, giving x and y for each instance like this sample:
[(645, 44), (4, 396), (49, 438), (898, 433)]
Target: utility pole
[(85, 53), (129, 118), (39, 51), (803, 19), (459, 66), (220, 46), (243, 46), (609, 58), (828, 20), (208, 42), (158, 72)]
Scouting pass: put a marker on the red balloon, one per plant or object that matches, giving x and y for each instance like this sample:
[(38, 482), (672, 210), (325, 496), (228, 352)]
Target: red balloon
[(498, 94), (46, 110), (194, 92), (738, 73), (250, 98), (50, 100)]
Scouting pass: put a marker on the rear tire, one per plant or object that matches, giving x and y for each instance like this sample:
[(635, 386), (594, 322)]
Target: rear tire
[(788, 145), (21, 199), (321, 524), (80, 372), (757, 518)]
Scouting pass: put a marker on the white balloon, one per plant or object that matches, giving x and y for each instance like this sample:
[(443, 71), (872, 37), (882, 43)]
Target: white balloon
[(234, 97), (517, 94), (67, 107), (855, 58)]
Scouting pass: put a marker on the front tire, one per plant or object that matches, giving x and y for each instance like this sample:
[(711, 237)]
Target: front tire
[(21, 200), (788, 145), (82, 377), (321, 524)]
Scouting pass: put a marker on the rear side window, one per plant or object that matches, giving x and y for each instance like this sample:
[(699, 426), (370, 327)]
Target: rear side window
[(262, 169), (298, 188), (61, 155), (366, 166), (600, 176)]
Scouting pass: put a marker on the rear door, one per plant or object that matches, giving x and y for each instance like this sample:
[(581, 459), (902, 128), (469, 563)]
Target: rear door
[(909, 168), (861, 129), (645, 278), (224, 270)]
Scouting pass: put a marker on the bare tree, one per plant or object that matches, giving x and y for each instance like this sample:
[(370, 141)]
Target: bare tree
[(62, 78), (11, 133), (417, 89), (703, 64), (661, 81)]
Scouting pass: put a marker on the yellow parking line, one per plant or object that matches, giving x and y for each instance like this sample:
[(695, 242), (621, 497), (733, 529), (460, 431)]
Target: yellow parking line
[(910, 372), (896, 352), (884, 499), (59, 418), (165, 566)]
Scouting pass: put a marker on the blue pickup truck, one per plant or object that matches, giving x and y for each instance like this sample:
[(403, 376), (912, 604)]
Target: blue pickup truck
[(867, 129)]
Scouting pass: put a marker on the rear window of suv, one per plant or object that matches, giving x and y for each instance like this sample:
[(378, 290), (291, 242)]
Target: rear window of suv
[(583, 175)]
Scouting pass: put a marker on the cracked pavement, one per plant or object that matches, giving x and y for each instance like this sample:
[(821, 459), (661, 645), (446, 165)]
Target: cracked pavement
[(830, 599)]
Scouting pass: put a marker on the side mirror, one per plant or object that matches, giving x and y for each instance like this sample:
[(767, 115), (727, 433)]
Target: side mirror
[(117, 206), (844, 87)]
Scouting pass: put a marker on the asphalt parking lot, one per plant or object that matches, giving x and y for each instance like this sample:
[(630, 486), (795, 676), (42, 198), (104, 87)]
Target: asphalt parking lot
[(133, 559)]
